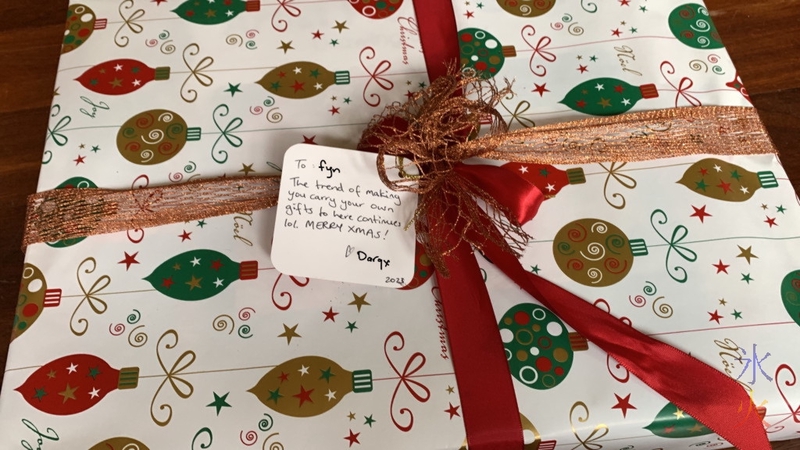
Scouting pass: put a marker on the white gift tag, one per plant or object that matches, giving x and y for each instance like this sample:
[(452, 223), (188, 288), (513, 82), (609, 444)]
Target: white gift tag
[(337, 221)]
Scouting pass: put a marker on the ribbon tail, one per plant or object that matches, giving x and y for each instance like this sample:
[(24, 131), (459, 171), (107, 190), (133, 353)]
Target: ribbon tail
[(703, 392), (476, 349)]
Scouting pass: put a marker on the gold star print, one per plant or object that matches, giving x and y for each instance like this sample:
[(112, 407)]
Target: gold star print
[(286, 46), (194, 283), (351, 416), (746, 253), (604, 102), (340, 25), (678, 414), (176, 267), (723, 302), (116, 82), (360, 300), (696, 428), (289, 333), (211, 13), (246, 168), (450, 389), (68, 393), (51, 374)]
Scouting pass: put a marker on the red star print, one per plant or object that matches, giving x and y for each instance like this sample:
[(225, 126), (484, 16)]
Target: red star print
[(216, 264), (304, 395), (624, 2), (623, 404), (334, 110), (582, 68), (189, 13), (721, 267), (726, 187), (714, 316), (281, 74), (283, 377), (541, 89), (158, 2), (167, 282), (452, 410), (409, 95), (352, 438), (129, 259), (330, 315), (469, 14), (298, 86), (616, 32), (185, 236), (580, 104), (619, 88), (669, 430), (309, 140), (79, 160), (317, 35), (703, 171), (771, 221), (700, 213)]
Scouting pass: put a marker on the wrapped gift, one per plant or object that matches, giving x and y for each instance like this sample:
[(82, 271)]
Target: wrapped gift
[(185, 334)]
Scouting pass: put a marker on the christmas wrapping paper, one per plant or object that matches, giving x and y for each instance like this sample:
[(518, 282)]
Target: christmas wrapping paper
[(185, 336)]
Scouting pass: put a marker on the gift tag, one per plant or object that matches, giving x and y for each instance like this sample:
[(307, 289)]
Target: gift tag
[(337, 221)]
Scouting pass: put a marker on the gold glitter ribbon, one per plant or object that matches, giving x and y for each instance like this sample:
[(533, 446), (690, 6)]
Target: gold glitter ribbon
[(433, 142)]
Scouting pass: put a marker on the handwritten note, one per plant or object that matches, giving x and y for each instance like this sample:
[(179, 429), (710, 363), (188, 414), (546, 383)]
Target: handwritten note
[(337, 221)]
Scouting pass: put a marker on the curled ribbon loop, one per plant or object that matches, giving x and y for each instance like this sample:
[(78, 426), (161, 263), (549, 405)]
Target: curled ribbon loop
[(521, 108), (368, 54), (284, 5), (419, 391), (682, 89), (190, 95), (227, 132), (130, 22), (96, 303), (678, 235), (180, 386), (597, 433), (625, 180), (539, 49)]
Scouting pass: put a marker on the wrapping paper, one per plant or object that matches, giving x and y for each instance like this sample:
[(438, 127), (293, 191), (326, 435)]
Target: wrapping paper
[(184, 336)]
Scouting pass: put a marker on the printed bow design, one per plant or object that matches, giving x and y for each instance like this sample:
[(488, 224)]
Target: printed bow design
[(682, 89), (97, 304), (55, 133), (180, 386), (625, 181), (190, 95), (540, 48), (678, 235), (131, 22), (227, 132), (368, 54), (419, 391), (284, 5)]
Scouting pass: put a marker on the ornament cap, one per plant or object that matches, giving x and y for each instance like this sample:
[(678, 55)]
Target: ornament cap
[(162, 73), (509, 51), (128, 378), (248, 270), (638, 247), (578, 342), (576, 176), (193, 133), (649, 90), (362, 381), (52, 297), (100, 24), (252, 5), (761, 411), (341, 77), (767, 180), (547, 445)]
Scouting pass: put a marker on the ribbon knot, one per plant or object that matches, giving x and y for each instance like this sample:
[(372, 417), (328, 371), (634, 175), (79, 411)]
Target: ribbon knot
[(368, 54), (179, 385), (419, 391), (284, 5)]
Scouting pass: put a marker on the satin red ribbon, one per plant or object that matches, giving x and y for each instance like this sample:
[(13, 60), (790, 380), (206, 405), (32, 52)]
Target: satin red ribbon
[(489, 405)]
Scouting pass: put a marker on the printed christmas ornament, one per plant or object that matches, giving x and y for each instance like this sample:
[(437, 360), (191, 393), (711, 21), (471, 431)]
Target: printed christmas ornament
[(547, 178), (526, 8), (308, 386), (721, 180), (594, 252), (376, 9), (154, 136), (199, 274), (120, 76), (482, 52), (120, 443), (739, 86), (34, 296), (607, 96), (790, 294), (692, 25), (301, 79), (423, 269), (74, 383), (81, 23), (527, 427), (538, 347), (72, 183), (671, 422), (211, 12)]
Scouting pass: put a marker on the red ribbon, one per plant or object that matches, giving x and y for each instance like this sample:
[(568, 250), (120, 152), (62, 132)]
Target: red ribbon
[(488, 401)]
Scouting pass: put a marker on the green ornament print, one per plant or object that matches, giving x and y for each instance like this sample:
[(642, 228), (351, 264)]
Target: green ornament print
[(199, 274), (205, 12), (790, 293), (607, 96), (672, 422), (538, 347), (692, 25), (482, 52), (72, 183)]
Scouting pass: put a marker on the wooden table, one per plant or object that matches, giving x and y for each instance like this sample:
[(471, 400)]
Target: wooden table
[(762, 36)]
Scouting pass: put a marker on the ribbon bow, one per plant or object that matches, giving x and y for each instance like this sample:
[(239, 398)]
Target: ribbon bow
[(180, 386), (368, 54), (419, 391), (678, 235)]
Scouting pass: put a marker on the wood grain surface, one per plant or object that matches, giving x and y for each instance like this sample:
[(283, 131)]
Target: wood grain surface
[(762, 36)]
